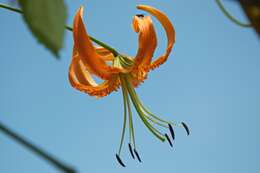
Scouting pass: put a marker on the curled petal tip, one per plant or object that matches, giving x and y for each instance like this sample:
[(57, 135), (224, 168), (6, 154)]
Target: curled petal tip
[(81, 8), (141, 6), (80, 11), (168, 27)]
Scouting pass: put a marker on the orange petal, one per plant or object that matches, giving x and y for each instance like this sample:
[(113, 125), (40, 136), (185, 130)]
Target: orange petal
[(146, 47), (147, 39), (166, 23), (106, 55), (87, 51), (80, 78)]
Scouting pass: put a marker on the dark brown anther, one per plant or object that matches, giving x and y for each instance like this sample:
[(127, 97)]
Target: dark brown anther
[(168, 139), (119, 160), (186, 128), (137, 155), (139, 15), (131, 150), (171, 131)]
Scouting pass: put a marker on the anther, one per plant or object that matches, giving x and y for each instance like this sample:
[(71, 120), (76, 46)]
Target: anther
[(131, 150), (186, 128), (171, 131), (168, 139), (119, 160), (137, 155), (139, 15)]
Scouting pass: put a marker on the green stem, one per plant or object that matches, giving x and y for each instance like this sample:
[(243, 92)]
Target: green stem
[(112, 50), (233, 19), (10, 8), (36, 150)]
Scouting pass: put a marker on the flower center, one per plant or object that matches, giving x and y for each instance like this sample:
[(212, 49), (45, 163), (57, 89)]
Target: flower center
[(124, 62)]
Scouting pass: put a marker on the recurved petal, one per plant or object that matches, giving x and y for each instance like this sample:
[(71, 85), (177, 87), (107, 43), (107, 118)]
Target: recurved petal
[(86, 50), (147, 43), (170, 32), (81, 79), (146, 39)]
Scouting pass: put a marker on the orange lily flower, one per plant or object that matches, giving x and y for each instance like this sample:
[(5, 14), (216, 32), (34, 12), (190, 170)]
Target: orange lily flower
[(119, 70)]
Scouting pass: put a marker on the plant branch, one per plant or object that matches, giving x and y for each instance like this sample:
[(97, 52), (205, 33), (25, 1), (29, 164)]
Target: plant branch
[(112, 50), (230, 17), (36, 150)]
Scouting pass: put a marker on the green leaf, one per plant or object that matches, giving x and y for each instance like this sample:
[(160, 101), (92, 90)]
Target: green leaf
[(46, 20)]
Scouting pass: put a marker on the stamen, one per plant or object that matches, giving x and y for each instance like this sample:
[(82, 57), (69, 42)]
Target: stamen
[(168, 139), (131, 126), (139, 15), (125, 61), (124, 124), (186, 128), (132, 93), (131, 150), (171, 131), (155, 122), (137, 155), (119, 160), (154, 116)]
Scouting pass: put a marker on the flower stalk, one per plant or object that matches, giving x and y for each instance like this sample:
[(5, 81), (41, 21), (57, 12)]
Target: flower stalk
[(230, 17), (100, 43), (36, 150)]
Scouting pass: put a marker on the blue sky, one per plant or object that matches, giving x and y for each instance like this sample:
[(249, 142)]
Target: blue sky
[(211, 81)]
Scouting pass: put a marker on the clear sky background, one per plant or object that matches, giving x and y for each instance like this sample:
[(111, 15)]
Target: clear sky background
[(211, 81)]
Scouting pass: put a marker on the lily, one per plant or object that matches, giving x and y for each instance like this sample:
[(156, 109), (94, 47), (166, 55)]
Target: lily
[(118, 70)]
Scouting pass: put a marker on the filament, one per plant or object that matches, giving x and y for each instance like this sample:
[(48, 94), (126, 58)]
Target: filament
[(124, 124)]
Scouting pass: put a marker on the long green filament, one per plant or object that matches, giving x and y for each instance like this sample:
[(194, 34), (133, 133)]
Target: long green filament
[(156, 122), (129, 94), (154, 116), (124, 124), (131, 127), (126, 83), (230, 17)]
